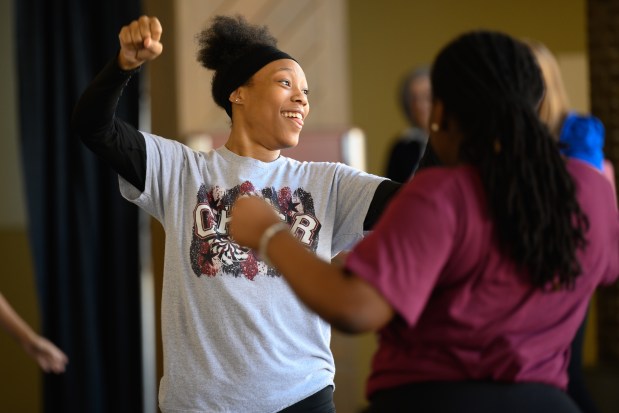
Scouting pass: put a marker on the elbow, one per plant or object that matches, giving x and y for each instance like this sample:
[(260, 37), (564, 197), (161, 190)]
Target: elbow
[(355, 308), (349, 328), (85, 129), (360, 315), (354, 321)]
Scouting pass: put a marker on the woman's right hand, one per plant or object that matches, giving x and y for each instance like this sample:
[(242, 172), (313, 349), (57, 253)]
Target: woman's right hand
[(140, 41)]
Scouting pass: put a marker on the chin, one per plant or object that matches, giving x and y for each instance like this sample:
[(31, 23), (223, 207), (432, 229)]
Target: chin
[(288, 143)]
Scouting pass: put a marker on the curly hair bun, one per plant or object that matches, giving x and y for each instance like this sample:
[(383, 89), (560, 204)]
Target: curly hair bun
[(235, 50), (229, 38)]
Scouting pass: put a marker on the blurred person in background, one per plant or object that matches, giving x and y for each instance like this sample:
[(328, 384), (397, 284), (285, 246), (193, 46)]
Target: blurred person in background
[(415, 99)]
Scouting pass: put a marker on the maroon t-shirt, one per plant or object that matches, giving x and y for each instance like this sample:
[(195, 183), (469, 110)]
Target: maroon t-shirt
[(464, 311)]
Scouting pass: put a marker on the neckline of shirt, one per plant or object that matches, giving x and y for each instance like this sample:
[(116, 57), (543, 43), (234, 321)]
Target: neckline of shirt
[(230, 156)]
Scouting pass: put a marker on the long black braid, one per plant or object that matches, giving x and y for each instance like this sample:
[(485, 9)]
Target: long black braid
[(491, 84)]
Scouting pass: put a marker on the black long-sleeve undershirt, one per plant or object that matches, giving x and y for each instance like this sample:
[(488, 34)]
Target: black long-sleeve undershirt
[(123, 146), (94, 121)]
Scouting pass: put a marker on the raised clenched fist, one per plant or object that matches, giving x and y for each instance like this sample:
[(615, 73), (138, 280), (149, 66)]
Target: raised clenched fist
[(140, 41)]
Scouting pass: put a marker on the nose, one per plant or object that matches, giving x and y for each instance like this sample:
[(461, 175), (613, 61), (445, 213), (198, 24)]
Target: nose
[(300, 97)]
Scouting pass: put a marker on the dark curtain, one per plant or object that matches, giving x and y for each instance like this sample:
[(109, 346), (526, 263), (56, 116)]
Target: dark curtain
[(83, 235)]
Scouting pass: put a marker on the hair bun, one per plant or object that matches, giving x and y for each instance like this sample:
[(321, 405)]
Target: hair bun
[(228, 38)]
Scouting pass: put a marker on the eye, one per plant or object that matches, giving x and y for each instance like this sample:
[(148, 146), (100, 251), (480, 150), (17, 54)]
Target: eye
[(306, 91), (285, 82)]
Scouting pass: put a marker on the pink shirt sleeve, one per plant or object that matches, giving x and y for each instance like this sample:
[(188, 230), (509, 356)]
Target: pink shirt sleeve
[(404, 255)]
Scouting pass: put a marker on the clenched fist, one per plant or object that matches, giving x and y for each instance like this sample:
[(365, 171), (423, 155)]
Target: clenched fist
[(140, 41)]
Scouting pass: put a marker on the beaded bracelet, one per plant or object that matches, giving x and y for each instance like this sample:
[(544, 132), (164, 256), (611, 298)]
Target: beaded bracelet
[(266, 238)]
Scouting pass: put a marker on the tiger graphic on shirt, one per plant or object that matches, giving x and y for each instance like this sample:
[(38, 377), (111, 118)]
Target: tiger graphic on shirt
[(212, 250)]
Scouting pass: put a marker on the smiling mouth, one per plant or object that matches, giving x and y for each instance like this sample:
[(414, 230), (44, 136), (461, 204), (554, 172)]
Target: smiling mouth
[(292, 115), (297, 117)]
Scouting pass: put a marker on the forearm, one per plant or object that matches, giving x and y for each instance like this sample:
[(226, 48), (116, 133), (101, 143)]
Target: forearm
[(14, 324), (344, 300), (347, 302), (94, 121), (95, 111)]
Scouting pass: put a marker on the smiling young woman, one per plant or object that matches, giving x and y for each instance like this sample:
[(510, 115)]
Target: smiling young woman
[(235, 337), (268, 112)]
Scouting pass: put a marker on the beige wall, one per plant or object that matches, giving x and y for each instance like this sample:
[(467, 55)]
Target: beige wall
[(388, 37)]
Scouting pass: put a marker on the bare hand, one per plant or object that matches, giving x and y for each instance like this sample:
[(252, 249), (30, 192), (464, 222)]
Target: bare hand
[(251, 216), (49, 357), (140, 41)]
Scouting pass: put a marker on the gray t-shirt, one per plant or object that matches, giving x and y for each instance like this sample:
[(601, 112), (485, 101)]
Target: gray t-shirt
[(235, 337)]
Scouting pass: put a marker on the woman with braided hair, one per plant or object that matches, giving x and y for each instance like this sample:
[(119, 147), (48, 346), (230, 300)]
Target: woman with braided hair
[(479, 273), (235, 337)]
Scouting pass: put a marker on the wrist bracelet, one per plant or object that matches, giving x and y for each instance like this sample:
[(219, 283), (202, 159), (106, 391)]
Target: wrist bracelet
[(266, 238)]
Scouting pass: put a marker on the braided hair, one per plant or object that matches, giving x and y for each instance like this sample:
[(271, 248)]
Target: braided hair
[(491, 85)]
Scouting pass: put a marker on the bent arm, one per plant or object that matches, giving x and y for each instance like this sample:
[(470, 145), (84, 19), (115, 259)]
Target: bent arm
[(347, 302), (94, 121), (344, 300)]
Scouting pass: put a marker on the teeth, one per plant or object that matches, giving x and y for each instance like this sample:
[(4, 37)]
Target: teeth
[(292, 115)]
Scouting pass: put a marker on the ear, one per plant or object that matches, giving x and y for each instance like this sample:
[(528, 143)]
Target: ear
[(236, 96)]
